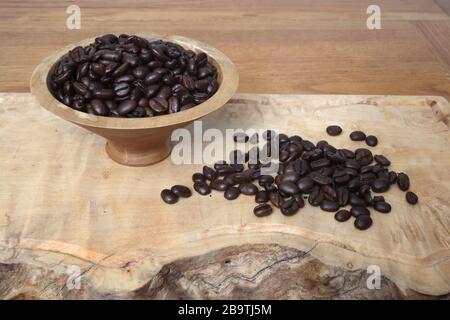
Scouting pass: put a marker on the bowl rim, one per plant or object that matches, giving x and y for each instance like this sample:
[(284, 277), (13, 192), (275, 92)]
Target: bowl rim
[(228, 86)]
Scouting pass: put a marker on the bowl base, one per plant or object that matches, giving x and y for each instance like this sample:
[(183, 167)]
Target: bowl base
[(138, 158)]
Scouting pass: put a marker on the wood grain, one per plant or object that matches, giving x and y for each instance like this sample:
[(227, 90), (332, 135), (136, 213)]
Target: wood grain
[(287, 46), (64, 202)]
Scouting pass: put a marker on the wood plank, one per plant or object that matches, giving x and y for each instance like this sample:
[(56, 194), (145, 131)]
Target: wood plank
[(64, 202)]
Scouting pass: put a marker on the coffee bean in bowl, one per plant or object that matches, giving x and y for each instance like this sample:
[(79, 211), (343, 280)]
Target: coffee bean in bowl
[(132, 77)]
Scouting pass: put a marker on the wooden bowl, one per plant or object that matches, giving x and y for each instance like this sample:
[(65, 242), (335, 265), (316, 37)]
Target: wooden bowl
[(138, 141)]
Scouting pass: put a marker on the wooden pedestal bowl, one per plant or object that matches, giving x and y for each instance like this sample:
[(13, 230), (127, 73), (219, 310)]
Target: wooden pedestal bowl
[(138, 141)]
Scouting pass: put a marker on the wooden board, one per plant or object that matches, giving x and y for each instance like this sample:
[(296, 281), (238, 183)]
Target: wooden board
[(302, 46), (64, 203)]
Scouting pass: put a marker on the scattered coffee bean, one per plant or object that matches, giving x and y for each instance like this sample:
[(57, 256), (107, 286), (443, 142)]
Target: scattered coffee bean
[(334, 130), (382, 206), (329, 206), (382, 160), (198, 177), (202, 187), (232, 193), (181, 191), (403, 181), (168, 196), (371, 141), (380, 185), (261, 196), (359, 211), (363, 222), (219, 185), (357, 136), (126, 69), (249, 189), (262, 210), (342, 215), (411, 197)]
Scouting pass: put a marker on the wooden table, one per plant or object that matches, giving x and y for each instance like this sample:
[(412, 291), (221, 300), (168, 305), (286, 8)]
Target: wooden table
[(288, 46)]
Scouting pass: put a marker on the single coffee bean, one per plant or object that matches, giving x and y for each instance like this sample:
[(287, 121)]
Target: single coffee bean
[(262, 210), (382, 160), (262, 196), (330, 206), (290, 207), (198, 177), (202, 188), (219, 185), (181, 191), (371, 141), (357, 136), (411, 197), (209, 173), (380, 185), (305, 184), (232, 193), (320, 179), (334, 130), (382, 206), (288, 187), (403, 181), (378, 199), (363, 222), (315, 198), (126, 107), (249, 189), (168, 196), (99, 107), (342, 196), (275, 199), (342, 215), (358, 211)]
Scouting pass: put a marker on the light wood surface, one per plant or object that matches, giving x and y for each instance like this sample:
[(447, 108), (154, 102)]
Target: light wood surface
[(138, 141), (65, 203), (279, 46)]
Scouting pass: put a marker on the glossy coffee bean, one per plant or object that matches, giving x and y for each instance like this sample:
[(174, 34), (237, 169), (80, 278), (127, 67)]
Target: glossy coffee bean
[(411, 197), (261, 196), (371, 141), (330, 206), (403, 181), (232, 193), (382, 160), (305, 184), (198, 177), (262, 210), (209, 173), (290, 207), (334, 130), (288, 188), (359, 211), (363, 222), (202, 188), (168, 196), (382, 206), (249, 189), (181, 191), (342, 215), (380, 185), (219, 185), (357, 136)]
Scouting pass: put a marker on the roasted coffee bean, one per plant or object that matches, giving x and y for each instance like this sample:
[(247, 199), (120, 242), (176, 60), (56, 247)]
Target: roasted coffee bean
[(288, 188), (262, 210), (320, 163), (299, 199), (371, 141), (275, 199), (380, 185), (248, 188), (181, 191), (289, 207), (382, 207), (330, 206), (342, 215), (99, 107), (363, 222), (378, 198), (411, 197), (334, 130), (359, 211), (403, 181), (265, 180), (232, 193), (202, 188), (357, 136), (168, 196), (342, 196), (261, 196), (363, 156), (209, 173), (129, 67), (126, 107), (319, 178), (305, 184), (198, 177), (315, 198), (219, 185), (288, 177), (382, 160)]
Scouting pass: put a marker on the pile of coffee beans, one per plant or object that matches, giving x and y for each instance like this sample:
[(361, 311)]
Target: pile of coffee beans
[(129, 76), (325, 176)]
